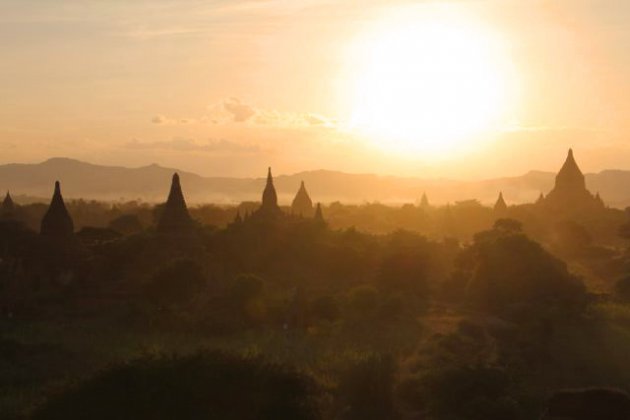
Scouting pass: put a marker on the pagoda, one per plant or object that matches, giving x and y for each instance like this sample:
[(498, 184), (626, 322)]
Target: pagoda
[(57, 222), (269, 208), (569, 192), (500, 206), (302, 204), (174, 217), (8, 210)]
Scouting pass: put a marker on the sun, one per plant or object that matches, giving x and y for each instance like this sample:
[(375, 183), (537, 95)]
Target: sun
[(429, 80)]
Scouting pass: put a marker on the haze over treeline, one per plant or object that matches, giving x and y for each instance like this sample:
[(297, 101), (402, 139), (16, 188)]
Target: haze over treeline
[(31, 182)]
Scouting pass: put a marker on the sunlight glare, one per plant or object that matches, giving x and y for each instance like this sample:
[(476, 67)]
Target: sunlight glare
[(429, 81)]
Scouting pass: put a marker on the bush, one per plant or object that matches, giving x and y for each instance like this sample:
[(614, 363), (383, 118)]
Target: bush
[(366, 389), (206, 385), (325, 308), (506, 270), (177, 283), (590, 403), (363, 303), (126, 224), (463, 393), (622, 289)]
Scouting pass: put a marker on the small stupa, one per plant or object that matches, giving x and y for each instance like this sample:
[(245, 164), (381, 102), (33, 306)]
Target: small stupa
[(8, 208), (424, 201), (319, 216), (302, 204), (569, 192), (500, 206), (269, 208), (175, 217), (57, 221)]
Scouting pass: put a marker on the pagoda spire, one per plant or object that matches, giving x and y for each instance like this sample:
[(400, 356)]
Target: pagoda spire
[(175, 217), (269, 198), (8, 207), (57, 221), (424, 201), (500, 206), (302, 204), (570, 176), (269, 208), (319, 217)]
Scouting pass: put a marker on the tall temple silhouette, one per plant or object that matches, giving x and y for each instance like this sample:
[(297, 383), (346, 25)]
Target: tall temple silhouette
[(569, 192), (302, 204), (424, 201), (269, 207), (175, 217), (57, 222), (8, 210), (500, 206), (319, 216)]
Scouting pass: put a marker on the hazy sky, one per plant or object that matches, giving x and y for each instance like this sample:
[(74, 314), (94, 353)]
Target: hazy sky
[(229, 87)]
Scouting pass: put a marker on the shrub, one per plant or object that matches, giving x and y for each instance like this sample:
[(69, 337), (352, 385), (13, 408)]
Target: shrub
[(205, 385), (622, 289), (366, 389), (175, 284)]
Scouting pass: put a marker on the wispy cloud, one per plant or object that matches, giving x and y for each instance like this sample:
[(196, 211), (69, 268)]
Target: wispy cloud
[(235, 111), (190, 145)]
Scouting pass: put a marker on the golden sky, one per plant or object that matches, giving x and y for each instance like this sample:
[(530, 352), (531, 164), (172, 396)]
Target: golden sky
[(229, 87)]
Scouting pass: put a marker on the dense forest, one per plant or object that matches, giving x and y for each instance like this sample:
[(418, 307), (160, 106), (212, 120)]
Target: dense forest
[(340, 311)]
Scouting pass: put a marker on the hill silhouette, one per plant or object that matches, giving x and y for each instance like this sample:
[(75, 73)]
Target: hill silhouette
[(150, 183)]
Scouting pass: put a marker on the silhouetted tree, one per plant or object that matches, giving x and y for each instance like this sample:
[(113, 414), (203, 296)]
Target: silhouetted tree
[(126, 224), (205, 385)]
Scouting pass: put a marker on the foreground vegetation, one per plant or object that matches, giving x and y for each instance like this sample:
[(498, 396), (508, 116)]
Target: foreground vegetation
[(309, 322)]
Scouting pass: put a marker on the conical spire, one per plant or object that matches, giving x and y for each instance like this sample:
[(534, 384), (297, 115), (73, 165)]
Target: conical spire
[(302, 204), (424, 201), (500, 205), (269, 198), (570, 176), (8, 207), (57, 221), (319, 217), (541, 199), (599, 200), (174, 217), (570, 193)]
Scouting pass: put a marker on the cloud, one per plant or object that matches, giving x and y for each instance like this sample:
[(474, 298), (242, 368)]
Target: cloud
[(190, 145), (240, 112), (234, 110)]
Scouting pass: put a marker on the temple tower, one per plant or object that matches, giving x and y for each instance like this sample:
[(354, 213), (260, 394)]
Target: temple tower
[(57, 221), (569, 192), (302, 204), (8, 208), (319, 216), (424, 201), (500, 206), (269, 207), (175, 217)]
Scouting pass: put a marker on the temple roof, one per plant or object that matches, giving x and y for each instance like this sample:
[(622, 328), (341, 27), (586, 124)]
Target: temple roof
[(302, 204), (269, 198), (570, 175), (500, 204), (424, 201), (174, 217), (57, 221), (319, 217), (8, 206)]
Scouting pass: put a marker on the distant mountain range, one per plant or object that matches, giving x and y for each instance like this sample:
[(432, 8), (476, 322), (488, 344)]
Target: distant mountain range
[(29, 182)]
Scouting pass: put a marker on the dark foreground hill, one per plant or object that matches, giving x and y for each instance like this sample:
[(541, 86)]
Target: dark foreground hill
[(151, 183)]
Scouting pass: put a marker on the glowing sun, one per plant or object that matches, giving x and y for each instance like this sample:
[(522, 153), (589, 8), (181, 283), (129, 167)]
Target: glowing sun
[(428, 80)]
